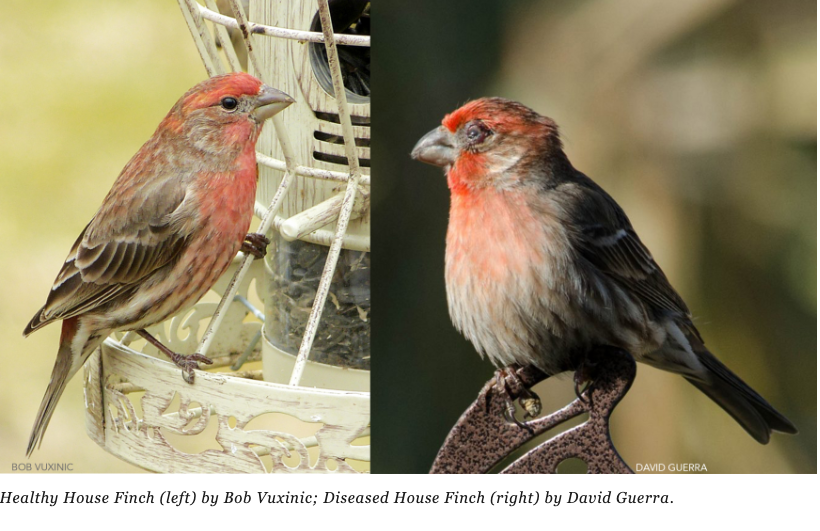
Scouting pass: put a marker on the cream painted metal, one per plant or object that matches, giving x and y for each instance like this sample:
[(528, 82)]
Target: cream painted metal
[(291, 415)]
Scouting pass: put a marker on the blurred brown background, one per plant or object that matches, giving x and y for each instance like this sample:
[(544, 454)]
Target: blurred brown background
[(699, 117), (85, 84)]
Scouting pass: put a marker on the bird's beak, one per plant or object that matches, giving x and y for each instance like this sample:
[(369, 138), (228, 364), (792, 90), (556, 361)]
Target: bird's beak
[(437, 147), (269, 102)]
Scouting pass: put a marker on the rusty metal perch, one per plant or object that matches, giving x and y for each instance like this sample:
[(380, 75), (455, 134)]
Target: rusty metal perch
[(483, 437)]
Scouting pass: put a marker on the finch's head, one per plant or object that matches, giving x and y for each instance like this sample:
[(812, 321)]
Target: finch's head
[(226, 110), (489, 142)]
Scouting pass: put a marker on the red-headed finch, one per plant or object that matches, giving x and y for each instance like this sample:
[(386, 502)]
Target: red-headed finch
[(542, 265), (175, 217)]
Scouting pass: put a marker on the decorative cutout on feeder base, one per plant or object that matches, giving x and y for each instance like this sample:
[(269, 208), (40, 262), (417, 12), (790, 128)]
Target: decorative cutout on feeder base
[(139, 409), (137, 428), (483, 437)]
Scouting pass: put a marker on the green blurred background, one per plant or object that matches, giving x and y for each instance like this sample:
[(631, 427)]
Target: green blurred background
[(86, 83), (699, 117)]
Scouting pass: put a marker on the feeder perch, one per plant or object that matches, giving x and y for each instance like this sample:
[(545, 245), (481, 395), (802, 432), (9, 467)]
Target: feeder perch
[(482, 438)]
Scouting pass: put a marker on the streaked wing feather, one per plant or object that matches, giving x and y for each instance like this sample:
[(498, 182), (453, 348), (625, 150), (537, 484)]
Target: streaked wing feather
[(109, 261), (608, 241)]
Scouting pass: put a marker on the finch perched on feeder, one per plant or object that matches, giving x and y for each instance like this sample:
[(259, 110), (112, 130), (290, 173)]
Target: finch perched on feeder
[(170, 226), (542, 265)]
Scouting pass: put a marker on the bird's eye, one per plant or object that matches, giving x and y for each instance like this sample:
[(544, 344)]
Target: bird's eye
[(476, 132), (229, 103)]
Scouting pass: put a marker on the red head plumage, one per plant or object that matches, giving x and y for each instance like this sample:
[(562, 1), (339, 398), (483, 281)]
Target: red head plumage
[(212, 90)]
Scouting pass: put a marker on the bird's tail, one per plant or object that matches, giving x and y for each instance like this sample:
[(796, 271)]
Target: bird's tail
[(64, 369), (742, 402)]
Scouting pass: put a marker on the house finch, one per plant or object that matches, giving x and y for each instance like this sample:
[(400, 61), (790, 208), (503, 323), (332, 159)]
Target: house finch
[(175, 217), (542, 265)]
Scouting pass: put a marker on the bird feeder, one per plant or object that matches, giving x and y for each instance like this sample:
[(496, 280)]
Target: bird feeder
[(340, 355), (290, 334)]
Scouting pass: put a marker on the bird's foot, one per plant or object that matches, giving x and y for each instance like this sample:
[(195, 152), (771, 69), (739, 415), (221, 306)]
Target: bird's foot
[(186, 363), (510, 387), (255, 244), (189, 363), (584, 377)]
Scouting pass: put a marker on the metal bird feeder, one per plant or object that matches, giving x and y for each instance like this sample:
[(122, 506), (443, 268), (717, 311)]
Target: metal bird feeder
[(289, 388)]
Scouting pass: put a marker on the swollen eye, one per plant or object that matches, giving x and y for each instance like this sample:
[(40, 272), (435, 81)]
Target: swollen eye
[(476, 132), (229, 103)]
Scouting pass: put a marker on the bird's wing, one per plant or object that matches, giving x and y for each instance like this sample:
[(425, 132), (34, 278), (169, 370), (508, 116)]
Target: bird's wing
[(129, 238), (605, 237)]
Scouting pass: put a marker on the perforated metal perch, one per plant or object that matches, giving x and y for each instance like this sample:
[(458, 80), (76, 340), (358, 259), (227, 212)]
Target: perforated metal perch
[(483, 437)]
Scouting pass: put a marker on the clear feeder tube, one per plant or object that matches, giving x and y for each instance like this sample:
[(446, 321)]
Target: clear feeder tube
[(304, 227), (343, 337)]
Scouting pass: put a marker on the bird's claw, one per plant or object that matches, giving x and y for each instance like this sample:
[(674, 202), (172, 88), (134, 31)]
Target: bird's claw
[(188, 373), (585, 374), (578, 379), (189, 363), (510, 387), (255, 244), (186, 363)]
